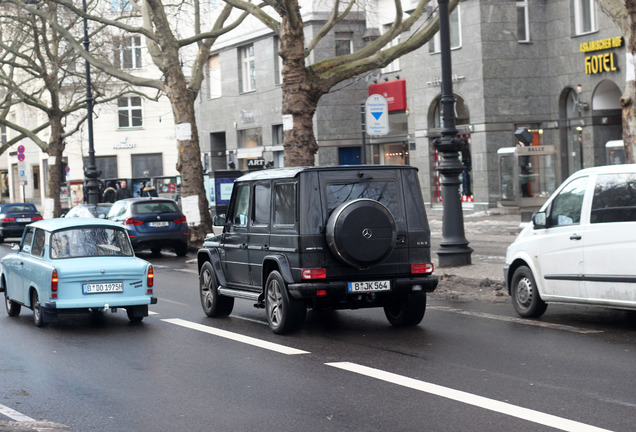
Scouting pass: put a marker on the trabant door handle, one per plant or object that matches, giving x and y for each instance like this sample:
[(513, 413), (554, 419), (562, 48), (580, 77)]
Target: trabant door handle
[(575, 237)]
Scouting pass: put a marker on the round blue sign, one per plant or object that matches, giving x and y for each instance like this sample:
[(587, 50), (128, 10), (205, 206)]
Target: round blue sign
[(20, 148), (21, 157)]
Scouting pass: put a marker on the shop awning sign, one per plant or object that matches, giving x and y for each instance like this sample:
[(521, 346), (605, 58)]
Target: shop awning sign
[(377, 115)]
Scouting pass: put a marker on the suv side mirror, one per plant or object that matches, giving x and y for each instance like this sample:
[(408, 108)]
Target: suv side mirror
[(219, 220), (539, 220)]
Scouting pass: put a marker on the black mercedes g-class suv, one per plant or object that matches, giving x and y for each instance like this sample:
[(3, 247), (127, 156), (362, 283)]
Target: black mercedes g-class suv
[(339, 237)]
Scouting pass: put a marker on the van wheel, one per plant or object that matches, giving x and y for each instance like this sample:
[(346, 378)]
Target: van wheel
[(284, 314), (525, 295), (407, 310), (13, 308), (214, 305), (37, 309)]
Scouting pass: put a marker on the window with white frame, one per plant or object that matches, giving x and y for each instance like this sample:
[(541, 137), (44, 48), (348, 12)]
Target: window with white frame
[(247, 68), (584, 17), (214, 76), (129, 111), (523, 21), (455, 33), (394, 66), (278, 63), (343, 43), (4, 137), (128, 53), (120, 5)]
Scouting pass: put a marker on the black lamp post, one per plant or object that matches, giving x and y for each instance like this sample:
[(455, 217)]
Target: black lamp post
[(454, 250), (90, 171)]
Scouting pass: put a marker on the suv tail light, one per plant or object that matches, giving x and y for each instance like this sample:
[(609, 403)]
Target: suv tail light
[(150, 280), (315, 273), (422, 268), (54, 281), (133, 221), (182, 219), (37, 218)]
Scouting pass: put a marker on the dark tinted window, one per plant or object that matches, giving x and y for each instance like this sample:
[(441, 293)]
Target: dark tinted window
[(614, 198), (262, 200), (20, 208), (285, 204), (386, 192), (241, 205), (566, 206), (152, 207)]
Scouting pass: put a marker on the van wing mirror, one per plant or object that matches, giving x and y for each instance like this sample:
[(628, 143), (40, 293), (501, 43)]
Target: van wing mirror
[(539, 220), (219, 220)]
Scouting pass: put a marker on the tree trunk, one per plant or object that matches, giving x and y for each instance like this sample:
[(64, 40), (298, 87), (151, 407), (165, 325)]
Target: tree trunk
[(628, 100), (300, 95), (55, 149)]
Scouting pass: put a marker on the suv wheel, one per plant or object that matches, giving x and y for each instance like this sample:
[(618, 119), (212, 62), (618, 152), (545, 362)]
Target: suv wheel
[(214, 305), (361, 232), (525, 296), (406, 310), (284, 314)]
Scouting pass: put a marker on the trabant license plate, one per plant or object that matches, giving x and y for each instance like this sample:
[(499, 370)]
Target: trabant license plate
[(369, 286), (159, 224), (97, 288), (23, 220)]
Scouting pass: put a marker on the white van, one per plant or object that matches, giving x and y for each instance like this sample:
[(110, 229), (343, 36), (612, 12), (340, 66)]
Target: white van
[(580, 246)]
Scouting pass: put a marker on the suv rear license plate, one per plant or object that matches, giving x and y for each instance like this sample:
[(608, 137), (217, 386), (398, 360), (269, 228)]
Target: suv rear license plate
[(23, 220), (96, 288), (369, 286), (159, 224)]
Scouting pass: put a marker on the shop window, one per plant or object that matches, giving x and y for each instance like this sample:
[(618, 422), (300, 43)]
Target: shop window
[(523, 22), (247, 69), (584, 17), (455, 33), (147, 165), (129, 110), (248, 138), (107, 165)]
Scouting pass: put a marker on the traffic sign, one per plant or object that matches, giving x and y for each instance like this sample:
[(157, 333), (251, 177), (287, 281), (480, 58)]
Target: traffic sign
[(377, 115), (20, 148), (21, 157)]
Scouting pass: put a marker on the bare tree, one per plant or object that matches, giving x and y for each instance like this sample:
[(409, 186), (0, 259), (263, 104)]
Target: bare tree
[(303, 85), (174, 32), (623, 13), (41, 75)]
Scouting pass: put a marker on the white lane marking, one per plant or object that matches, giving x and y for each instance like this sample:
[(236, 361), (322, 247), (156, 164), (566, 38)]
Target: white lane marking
[(153, 313), (236, 337), (186, 271), (515, 320), (470, 399), (14, 415)]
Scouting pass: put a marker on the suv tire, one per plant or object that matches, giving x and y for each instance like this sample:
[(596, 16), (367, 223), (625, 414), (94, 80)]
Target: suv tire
[(407, 310), (214, 305), (284, 314), (361, 232)]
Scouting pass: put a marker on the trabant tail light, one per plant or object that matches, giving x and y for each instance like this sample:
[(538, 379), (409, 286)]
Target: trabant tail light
[(315, 273), (54, 281), (36, 218), (422, 268), (180, 220), (150, 280), (133, 221)]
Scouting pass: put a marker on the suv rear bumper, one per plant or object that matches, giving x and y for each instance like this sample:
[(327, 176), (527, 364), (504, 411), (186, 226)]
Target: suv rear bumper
[(306, 290)]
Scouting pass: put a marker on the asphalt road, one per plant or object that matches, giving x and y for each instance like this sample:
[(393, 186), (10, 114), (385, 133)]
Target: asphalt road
[(470, 365)]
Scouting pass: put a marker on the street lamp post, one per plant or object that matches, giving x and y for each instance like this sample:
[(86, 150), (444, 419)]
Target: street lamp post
[(454, 250), (90, 171)]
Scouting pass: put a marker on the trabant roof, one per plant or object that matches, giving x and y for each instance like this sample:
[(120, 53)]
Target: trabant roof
[(63, 223), (291, 172)]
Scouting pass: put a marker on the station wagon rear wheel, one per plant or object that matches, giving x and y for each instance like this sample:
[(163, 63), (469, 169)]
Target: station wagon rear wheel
[(214, 305), (284, 314), (406, 310), (13, 308), (37, 309), (525, 295)]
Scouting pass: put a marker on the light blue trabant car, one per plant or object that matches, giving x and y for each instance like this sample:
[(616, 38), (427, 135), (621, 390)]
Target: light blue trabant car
[(76, 265)]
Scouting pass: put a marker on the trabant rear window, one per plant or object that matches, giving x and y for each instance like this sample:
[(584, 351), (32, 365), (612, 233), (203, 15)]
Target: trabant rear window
[(90, 241), (385, 192)]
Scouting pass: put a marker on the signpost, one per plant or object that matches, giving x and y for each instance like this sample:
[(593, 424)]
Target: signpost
[(22, 170), (377, 115)]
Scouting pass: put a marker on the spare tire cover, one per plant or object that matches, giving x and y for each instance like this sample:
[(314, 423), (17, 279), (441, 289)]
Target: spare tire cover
[(361, 232)]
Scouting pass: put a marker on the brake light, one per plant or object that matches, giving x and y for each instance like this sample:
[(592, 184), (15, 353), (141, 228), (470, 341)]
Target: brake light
[(8, 219), (315, 273), (422, 268), (182, 219), (54, 281), (133, 221), (37, 218), (150, 280)]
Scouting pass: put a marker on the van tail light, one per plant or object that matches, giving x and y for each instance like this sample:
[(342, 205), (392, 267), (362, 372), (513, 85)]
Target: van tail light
[(150, 280), (133, 221), (422, 268), (180, 220), (37, 218), (54, 281), (315, 273)]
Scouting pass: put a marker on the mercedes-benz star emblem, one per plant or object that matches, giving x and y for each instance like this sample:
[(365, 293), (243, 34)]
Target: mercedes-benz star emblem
[(367, 233)]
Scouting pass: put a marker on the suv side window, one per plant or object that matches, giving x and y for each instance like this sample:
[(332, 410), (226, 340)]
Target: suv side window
[(262, 201), (614, 198), (241, 207), (566, 207), (285, 204)]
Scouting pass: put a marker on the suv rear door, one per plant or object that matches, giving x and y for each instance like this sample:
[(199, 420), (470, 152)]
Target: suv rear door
[(234, 237)]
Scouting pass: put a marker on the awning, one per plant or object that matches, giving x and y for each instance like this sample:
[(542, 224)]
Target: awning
[(248, 153)]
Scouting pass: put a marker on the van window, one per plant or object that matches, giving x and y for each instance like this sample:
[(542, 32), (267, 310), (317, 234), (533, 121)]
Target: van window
[(566, 206), (614, 198)]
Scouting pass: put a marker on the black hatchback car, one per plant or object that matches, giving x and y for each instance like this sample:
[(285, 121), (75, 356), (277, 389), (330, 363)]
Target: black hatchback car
[(14, 217), (152, 223)]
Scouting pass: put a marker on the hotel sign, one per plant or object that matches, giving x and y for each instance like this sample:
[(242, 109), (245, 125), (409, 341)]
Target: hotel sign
[(598, 63)]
